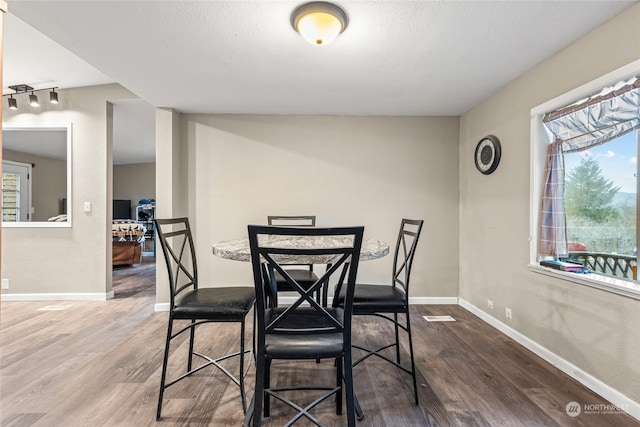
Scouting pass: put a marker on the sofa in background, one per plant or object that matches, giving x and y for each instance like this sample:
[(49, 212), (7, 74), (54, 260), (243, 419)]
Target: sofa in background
[(128, 238)]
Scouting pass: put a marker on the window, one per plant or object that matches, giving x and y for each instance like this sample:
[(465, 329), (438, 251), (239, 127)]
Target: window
[(601, 206), (584, 153)]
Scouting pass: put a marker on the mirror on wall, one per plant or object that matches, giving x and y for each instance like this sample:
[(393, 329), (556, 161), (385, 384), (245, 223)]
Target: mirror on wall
[(36, 175)]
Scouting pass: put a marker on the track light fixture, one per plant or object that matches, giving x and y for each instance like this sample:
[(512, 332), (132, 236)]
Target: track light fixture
[(33, 99)]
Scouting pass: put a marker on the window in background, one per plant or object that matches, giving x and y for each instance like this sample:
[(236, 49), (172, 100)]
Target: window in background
[(601, 206)]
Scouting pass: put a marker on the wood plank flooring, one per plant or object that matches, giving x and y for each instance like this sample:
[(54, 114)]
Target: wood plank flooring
[(97, 363)]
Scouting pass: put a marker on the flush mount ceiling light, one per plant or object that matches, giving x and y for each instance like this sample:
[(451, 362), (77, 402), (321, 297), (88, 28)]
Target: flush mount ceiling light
[(319, 22), (33, 99)]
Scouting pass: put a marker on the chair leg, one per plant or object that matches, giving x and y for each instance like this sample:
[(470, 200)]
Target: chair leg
[(395, 318), (267, 386), (258, 394), (164, 367), (349, 392), (243, 397), (192, 336), (413, 366), (253, 333), (340, 385)]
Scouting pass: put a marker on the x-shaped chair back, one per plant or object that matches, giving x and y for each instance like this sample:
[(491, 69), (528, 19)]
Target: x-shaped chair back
[(405, 251), (179, 253), (279, 249)]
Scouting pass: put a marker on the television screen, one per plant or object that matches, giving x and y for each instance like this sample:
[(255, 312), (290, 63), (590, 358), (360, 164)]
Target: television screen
[(122, 209)]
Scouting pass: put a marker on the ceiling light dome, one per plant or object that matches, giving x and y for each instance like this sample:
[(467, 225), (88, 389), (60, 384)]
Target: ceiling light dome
[(319, 22)]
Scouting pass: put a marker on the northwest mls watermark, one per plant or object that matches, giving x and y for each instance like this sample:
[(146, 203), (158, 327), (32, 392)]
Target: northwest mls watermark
[(574, 409)]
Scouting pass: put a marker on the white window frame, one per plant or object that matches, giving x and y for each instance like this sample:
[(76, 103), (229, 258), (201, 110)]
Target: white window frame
[(539, 142)]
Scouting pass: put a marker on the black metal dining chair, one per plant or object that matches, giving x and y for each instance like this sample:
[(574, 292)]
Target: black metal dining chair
[(386, 299), (198, 305), (302, 273), (304, 330)]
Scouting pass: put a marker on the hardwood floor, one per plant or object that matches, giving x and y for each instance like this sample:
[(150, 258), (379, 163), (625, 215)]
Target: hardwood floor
[(97, 363)]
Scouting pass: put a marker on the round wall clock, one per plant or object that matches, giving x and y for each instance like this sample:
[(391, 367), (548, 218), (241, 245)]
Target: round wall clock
[(487, 156)]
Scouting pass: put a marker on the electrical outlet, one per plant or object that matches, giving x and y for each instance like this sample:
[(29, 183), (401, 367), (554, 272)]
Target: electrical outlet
[(490, 304), (507, 312), (5, 283)]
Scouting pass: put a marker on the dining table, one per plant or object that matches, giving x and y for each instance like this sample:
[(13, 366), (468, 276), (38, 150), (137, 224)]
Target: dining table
[(238, 250)]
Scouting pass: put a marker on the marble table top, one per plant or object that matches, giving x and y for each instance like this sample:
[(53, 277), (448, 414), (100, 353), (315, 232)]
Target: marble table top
[(238, 249)]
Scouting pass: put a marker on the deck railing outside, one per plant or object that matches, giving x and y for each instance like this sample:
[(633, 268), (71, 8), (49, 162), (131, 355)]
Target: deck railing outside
[(624, 266)]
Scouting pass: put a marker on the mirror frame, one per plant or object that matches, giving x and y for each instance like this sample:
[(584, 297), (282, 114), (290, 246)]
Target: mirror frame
[(44, 126)]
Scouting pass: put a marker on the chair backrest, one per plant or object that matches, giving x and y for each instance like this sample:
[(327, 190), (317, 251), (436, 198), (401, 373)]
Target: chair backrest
[(292, 221), (274, 247), (410, 230), (179, 254)]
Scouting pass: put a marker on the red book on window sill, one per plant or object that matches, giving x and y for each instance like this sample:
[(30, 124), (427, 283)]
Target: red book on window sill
[(564, 266)]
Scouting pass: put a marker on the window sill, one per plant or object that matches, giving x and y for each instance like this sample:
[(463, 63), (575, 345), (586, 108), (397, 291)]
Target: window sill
[(599, 281)]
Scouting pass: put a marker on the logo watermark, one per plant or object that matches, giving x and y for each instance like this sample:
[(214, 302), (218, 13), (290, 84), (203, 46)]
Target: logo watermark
[(573, 409)]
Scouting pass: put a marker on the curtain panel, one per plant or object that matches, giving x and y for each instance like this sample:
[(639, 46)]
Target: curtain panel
[(552, 238), (599, 119)]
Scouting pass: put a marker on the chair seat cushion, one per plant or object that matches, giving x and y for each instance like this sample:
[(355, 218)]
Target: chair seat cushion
[(295, 343), (227, 303), (373, 298), (304, 277)]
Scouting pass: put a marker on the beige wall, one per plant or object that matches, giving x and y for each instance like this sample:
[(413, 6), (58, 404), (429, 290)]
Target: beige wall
[(134, 182), (48, 182), (595, 330), (369, 171), (76, 259)]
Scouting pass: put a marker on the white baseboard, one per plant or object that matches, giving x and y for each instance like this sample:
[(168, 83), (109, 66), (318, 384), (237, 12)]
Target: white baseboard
[(80, 296), (161, 306), (612, 395), (433, 300)]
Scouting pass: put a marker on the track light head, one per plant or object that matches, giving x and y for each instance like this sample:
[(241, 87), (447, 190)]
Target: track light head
[(53, 97), (33, 100), (13, 103)]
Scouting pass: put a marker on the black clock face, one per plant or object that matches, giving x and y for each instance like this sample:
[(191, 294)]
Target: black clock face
[(487, 156)]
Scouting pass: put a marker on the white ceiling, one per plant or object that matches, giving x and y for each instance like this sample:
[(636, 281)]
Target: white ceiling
[(395, 57)]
